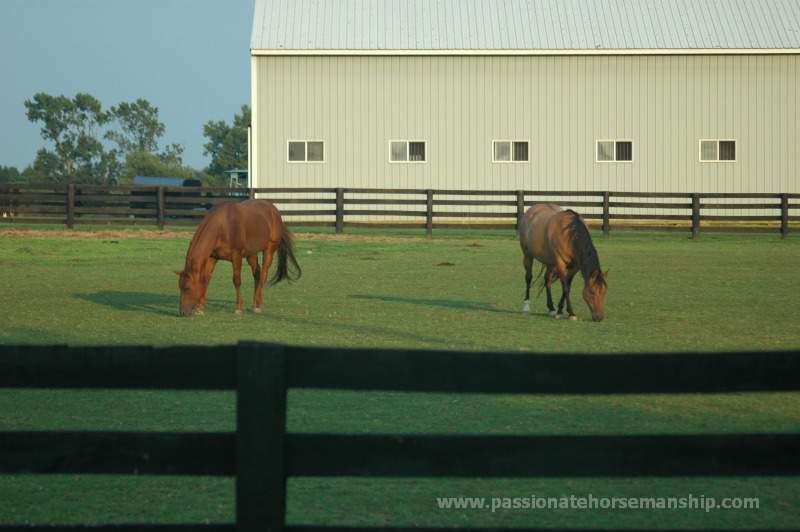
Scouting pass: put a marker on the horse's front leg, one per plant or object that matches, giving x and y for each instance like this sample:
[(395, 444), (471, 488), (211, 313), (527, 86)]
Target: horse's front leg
[(237, 281), (566, 284), (209, 270), (560, 270)]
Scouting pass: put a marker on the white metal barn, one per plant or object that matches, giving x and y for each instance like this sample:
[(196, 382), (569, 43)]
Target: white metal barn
[(645, 96)]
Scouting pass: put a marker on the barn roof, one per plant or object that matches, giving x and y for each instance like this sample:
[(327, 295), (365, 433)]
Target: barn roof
[(525, 26)]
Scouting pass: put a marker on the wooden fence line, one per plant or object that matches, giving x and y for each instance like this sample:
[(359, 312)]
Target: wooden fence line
[(94, 204), (261, 455)]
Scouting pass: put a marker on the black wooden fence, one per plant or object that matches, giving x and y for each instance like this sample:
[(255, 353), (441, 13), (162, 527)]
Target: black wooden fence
[(261, 454), (397, 208)]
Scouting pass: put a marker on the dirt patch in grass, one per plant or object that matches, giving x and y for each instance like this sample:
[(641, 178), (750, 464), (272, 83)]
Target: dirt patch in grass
[(91, 235), (182, 235), (352, 238), (94, 235)]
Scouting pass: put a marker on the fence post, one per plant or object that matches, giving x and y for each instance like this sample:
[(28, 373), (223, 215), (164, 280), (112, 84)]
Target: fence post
[(520, 208), (260, 432), (251, 193), (695, 215), (71, 205), (606, 213), (339, 210), (161, 207), (429, 213), (784, 215)]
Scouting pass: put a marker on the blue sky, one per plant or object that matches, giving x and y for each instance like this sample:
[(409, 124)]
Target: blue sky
[(189, 58)]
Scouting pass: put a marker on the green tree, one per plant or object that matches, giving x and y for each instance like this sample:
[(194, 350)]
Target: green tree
[(72, 125), (9, 174), (227, 144), (139, 126), (150, 164)]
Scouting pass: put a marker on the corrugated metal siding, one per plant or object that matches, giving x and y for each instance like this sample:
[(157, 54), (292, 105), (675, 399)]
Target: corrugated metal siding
[(561, 104), (524, 24)]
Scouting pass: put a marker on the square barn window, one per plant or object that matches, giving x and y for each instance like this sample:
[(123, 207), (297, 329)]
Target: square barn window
[(505, 151), (727, 150), (520, 150), (302, 151), (416, 151), (297, 151), (624, 150), (315, 151), (717, 150), (403, 151), (614, 150)]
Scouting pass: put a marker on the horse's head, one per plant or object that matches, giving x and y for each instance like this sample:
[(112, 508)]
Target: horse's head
[(594, 293), (191, 289)]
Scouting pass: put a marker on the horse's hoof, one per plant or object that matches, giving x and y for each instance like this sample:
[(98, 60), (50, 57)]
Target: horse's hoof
[(238, 312), (526, 306), (573, 318), (257, 310), (551, 313), (559, 316), (199, 312)]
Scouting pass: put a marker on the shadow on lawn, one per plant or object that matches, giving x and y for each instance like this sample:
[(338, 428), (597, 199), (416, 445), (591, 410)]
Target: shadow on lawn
[(161, 304), (445, 303), (360, 329), (167, 305)]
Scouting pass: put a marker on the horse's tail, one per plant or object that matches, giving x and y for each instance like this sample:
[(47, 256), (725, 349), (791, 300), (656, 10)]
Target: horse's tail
[(285, 257)]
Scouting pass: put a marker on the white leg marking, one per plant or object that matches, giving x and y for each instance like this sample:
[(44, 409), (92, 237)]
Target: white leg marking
[(526, 305)]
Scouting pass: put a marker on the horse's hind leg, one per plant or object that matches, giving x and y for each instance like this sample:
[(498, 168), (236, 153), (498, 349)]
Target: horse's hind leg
[(550, 276), (252, 260), (266, 263), (527, 262), (237, 281)]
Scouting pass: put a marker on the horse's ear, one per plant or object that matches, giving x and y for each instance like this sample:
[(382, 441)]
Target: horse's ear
[(178, 273), (605, 274)]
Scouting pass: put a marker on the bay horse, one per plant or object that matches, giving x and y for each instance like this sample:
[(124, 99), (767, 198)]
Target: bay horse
[(561, 241), (235, 232)]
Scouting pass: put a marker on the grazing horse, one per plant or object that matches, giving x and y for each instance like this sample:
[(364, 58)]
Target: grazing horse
[(561, 242), (233, 232)]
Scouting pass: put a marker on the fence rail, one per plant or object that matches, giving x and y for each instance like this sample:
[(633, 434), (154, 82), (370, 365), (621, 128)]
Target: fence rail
[(346, 207), (261, 454)]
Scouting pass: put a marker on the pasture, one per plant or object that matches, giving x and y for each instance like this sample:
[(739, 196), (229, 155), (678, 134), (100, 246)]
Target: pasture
[(460, 290)]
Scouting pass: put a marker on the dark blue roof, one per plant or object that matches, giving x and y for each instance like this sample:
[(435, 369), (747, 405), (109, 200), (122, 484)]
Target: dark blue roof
[(159, 181)]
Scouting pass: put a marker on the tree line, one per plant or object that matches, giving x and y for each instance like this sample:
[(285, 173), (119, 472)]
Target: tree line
[(87, 144)]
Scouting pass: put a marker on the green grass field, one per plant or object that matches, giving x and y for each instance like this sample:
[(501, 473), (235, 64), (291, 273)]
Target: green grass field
[(461, 290)]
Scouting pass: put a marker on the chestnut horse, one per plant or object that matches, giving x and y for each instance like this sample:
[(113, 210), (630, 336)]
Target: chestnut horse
[(236, 232), (561, 242)]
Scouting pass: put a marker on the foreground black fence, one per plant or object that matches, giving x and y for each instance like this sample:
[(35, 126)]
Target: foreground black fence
[(398, 208), (261, 454)]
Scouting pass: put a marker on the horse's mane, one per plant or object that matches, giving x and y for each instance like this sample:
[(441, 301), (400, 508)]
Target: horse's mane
[(583, 249), (198, 237)]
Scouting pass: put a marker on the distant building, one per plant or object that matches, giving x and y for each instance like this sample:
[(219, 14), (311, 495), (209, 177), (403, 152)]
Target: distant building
[(154, 181), (237, 178), (653, 96)]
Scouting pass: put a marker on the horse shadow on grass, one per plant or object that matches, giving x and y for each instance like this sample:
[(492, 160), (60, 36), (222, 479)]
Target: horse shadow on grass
[(160, 304), (167, 305), (442, 303)]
